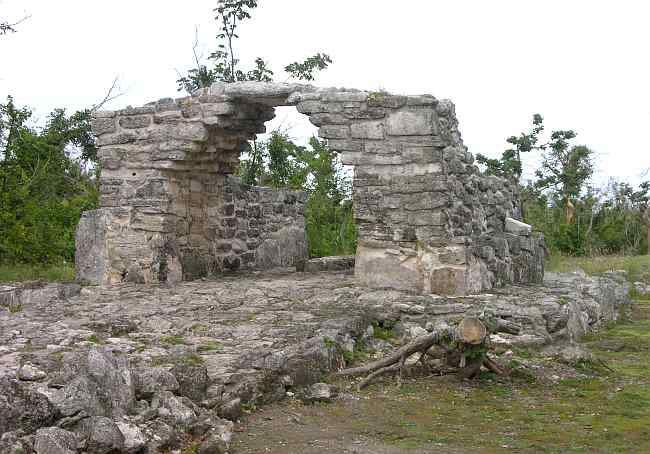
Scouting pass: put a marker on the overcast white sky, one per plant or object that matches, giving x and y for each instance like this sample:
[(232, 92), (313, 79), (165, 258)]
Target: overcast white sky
[(584, 65)]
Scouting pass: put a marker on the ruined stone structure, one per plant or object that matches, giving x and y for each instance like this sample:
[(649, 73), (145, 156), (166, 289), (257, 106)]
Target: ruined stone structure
[(428, 221)]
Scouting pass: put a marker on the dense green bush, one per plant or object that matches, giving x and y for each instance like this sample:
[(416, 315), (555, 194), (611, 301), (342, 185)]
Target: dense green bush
[(576, 219), (278, 162), (44, 184), (603, 223)]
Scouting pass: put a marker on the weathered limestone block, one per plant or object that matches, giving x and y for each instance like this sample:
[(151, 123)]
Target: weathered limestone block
[(517, 227), (91, 257), (412, 123), (368, 130), (336, 263), (282, 248)]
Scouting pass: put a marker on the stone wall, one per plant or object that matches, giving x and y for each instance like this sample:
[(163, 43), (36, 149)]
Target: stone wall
[(428, 221), (170, 208)]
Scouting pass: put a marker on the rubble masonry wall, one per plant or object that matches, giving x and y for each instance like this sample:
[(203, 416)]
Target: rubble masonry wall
[(428, 221)]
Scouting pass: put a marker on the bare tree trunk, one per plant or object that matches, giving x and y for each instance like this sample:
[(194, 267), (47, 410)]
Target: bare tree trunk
[(646, 219)]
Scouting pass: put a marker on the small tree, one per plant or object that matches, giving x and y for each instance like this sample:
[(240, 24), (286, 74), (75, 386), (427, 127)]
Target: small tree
[(230, 15), (510, 164), (305, 70), (7, 27), (565, 169)]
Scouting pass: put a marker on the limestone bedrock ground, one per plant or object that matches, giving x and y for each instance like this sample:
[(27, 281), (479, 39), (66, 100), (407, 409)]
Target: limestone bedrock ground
[(247, 324), (260, 336)]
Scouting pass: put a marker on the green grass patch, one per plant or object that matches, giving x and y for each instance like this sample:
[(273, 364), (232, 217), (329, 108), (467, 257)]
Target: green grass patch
[(52, 273), (381, 332), (94, 339), (172, 340), (210, 346), (330, 343), (637, 267), (16, 308), (192, 448), (193, 359)]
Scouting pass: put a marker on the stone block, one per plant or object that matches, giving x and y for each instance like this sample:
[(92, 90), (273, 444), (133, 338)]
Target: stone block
[(405, 170), (448, 280), (191, 131), (169, 117), (135, 121), (426, 217), (221, 108), (320, 119), (517, 227), (454, 255), (367, 130), (424, 201), (136, 111), (101, 125), (336, 263), (364, 113), (334, 132), (514, 243), (423, 100), (351, 158), (312, 107), (376, 268), (345, 145), (121, 138), (92, 258), (343, 96), (421, 155), (386, 100), (104, 114), (412, 123), (378, 159), (381, 147)]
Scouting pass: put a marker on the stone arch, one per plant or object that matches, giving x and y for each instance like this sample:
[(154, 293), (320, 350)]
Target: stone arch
[(428, 221)]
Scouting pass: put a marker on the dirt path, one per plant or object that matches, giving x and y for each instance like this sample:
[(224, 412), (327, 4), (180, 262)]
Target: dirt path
[(547, 407)]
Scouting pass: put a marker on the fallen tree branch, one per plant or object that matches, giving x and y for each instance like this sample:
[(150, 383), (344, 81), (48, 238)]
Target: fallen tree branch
[(422, 343), (469, 352), (506, 326), (384, 370), (492, 365)]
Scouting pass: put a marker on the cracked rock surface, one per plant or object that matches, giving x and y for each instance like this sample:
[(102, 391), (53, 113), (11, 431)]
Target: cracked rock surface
[(134, 368)]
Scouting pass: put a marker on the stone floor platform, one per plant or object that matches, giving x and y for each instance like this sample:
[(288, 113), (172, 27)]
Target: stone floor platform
[(199, 351)]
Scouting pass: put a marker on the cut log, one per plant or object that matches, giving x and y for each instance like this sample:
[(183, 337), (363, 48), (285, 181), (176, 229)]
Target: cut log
[(471, 331)]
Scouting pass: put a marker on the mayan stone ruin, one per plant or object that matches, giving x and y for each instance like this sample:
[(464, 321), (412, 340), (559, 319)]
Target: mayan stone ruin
[(428, 221), (121, 367)]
